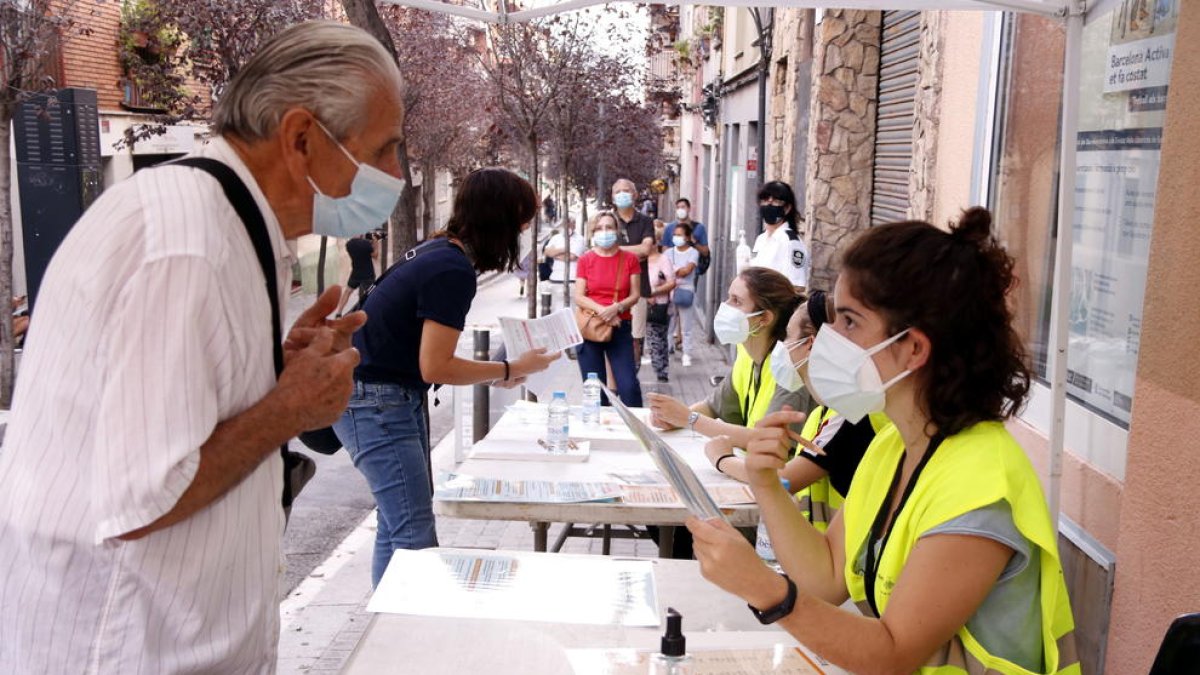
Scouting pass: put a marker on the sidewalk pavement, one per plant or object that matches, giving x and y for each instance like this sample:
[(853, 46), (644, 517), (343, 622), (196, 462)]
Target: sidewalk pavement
[(324, 617)]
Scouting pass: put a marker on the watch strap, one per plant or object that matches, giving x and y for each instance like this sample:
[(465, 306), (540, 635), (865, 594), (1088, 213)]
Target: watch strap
[(693, 416), (772, 614)]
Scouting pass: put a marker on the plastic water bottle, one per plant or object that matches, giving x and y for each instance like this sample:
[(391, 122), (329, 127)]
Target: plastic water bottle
[(591, 399), (558, 424), (762, 540)]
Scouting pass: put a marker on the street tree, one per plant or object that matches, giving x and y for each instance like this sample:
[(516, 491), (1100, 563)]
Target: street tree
[(403, 224), (445, 97), (529, 66), (31, 32)]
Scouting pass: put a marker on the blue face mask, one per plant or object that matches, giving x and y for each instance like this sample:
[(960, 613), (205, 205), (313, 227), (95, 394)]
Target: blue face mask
[(623, 200), (604, 239), (373, 196)]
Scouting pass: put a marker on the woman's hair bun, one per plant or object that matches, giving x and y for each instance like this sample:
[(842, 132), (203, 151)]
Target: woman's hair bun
[(974, 225)]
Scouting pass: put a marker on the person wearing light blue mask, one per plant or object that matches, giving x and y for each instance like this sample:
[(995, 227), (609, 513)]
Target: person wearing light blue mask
[(635, 233), (373, 195), (418, 310), (607, 287)]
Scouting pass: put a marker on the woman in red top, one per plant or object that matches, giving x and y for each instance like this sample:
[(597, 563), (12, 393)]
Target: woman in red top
[(608, 283)]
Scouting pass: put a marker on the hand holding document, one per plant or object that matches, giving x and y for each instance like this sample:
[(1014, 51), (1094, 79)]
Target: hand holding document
[(555, 332), (677, 472)]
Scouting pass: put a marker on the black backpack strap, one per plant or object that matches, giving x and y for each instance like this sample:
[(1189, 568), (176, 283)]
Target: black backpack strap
[(256, 228), (411, 253)]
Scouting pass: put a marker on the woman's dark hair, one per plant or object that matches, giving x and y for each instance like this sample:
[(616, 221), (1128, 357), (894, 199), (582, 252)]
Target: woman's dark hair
[(489, 209), (687, 229), (818, 309), (953, 286), (772, 291), (780, 190)]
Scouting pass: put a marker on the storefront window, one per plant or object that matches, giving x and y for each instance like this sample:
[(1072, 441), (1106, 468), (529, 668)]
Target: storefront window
[(1126, 63)]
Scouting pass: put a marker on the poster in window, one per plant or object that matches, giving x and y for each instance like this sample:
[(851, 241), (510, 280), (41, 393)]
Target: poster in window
[(1123, 93)]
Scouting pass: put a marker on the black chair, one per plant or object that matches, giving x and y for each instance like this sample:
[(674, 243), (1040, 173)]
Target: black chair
[(1180, 650)]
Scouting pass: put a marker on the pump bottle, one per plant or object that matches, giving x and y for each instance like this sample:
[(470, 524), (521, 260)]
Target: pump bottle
[(673, 658)]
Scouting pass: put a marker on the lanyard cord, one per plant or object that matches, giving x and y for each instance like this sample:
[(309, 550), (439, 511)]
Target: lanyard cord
[(877, 533), (754, 385)]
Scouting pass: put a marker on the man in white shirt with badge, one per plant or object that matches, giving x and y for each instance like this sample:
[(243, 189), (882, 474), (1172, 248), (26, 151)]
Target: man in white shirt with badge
[(780, 246), (140, 515)]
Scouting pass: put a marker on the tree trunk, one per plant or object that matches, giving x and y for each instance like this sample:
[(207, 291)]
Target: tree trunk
[(565, 208), (365, 15), (321, 265), (531, 277), (405, 215), (428, 193), (7, 370)]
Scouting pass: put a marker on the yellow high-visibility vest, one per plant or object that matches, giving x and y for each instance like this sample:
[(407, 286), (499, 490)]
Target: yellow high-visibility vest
[(972, 469), (820, 501), (753, 402)]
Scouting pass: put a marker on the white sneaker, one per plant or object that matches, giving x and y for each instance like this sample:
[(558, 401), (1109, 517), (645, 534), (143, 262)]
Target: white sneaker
[(687, 360), (645, 359)]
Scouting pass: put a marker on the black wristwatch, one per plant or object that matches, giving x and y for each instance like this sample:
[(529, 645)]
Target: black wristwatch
[(773, 614)]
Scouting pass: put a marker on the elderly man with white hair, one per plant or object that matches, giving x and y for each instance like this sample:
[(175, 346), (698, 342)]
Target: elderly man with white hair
[(141, 481)]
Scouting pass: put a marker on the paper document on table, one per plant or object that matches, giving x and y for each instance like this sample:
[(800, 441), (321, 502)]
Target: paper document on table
[(664, 495), (519, 587), (677, 472), (779, 660), (556, 331), (455, 487)]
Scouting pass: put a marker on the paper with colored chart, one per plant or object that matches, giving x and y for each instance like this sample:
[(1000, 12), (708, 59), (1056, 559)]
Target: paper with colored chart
[(519, 586)]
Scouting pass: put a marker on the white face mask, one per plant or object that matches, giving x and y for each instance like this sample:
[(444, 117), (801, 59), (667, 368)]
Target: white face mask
[(681, 214), (786, 373), (732, 325), (844, 376), (678, 240)]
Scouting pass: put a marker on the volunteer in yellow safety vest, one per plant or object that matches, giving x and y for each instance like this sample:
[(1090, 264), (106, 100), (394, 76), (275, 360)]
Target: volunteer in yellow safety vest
[(819, 480), (754, 317), (944, 542)]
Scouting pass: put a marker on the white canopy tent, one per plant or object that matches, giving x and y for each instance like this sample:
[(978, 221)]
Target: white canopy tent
[(1074, 13)]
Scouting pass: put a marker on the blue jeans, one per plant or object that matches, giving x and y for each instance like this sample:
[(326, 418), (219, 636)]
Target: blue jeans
[(384, 431), (620, 356)]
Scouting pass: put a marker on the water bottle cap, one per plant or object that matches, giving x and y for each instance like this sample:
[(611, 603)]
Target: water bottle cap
[(593, 376), (560, 394)]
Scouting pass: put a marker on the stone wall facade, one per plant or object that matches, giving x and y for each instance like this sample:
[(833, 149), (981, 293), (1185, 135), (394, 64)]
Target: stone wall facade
[(790, 87), (841, 135), (922, 178)]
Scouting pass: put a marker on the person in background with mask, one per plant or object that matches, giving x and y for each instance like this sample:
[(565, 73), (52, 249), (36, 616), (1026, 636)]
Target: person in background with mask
[(819, 481), (945, 541), (685, 259), (662, 282), (609, 284), (754, 318), (683, 216), (417, 311), (557, 248), (780, 246), (636, 236)]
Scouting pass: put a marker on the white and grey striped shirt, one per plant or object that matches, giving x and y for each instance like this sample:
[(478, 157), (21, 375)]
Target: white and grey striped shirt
[(150, 328)]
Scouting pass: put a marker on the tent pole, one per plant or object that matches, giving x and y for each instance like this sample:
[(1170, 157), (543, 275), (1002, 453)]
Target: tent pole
[(1061, 302)]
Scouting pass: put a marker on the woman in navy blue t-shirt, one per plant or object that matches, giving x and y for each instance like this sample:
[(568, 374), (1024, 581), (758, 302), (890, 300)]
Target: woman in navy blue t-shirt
[(415, 315)]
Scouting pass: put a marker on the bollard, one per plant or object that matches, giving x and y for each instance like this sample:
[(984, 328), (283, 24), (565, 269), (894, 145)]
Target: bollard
[(481, 394), (546, 295)]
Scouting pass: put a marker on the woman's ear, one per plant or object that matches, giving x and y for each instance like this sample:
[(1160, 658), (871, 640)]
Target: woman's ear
[(916, 349)]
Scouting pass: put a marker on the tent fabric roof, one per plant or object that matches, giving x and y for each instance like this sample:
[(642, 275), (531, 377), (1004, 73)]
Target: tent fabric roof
[(1045, 7)]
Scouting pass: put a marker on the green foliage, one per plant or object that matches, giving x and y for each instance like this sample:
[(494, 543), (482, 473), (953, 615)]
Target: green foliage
[(148, 47)]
